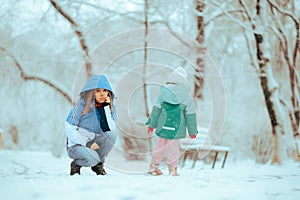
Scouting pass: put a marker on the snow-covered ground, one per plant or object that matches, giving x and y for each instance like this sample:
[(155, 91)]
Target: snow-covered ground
[(38, 175)]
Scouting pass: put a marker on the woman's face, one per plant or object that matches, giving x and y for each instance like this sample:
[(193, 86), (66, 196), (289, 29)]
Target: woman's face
[(101, 95)]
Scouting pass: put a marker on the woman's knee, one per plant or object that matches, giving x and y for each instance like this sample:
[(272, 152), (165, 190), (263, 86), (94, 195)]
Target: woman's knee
[(107, 137), (84, 156), (91, 161), (112, 137)]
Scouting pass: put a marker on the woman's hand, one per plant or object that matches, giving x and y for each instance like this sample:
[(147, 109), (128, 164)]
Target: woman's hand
[(94, 146), (107, 99)]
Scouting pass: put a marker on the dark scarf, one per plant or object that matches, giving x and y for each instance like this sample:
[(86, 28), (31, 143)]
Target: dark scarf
[(103, 121)]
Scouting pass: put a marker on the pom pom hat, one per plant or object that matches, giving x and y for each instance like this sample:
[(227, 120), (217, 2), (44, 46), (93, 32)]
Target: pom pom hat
[(178, 76)]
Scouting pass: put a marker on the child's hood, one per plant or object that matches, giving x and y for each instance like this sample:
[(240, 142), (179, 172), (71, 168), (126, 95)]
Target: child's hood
[(174, 93), (95, 82)]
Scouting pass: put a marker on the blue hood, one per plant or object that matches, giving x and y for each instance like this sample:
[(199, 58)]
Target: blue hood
[(95, 82)]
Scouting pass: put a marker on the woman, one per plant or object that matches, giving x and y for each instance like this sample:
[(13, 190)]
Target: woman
[(90, 126)]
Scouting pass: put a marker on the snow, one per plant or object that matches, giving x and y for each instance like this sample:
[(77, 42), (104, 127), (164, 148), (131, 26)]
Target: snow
[(37, 27), (39, 175)]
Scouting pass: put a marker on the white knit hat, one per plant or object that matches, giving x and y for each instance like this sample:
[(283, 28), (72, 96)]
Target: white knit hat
[(178, 76)]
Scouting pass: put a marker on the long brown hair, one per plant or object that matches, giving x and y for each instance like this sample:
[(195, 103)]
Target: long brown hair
[(90, 99)]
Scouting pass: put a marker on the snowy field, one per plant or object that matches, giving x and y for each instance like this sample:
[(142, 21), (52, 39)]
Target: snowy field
[(39, 175)]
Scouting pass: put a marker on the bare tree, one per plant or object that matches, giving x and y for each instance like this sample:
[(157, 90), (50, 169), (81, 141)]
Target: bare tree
[(267, 80), (290, 54), (79, 35)]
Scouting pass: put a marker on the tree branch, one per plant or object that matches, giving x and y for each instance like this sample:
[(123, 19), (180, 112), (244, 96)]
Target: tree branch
[(27, 77), (234, 19), (79, 35), (221, 15), (113, 12), (296, 21)]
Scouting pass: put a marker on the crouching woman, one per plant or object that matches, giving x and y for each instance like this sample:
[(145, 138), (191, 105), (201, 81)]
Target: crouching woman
[(90, 126)]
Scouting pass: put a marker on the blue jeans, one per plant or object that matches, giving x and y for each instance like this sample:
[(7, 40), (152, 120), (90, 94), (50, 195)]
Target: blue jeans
[(84, 156)]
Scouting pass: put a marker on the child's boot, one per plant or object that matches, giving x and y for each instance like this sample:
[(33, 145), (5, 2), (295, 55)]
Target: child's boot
[(173, 171), (153, 170), (75, 169)]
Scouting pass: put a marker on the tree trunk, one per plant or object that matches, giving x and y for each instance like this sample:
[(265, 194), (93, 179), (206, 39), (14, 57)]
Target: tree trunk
[(269, 87), (199, 80), (145, 68), (294, 81), (270, 94), (145, 57)]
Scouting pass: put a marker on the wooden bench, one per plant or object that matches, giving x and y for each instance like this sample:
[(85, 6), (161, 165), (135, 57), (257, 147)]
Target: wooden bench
[(202, 143)]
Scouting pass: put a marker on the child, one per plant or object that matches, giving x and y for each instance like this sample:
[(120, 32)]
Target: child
[(173, 112), (90, 126)]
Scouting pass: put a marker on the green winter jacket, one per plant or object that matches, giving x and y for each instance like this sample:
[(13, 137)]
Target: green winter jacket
[(173, 113)]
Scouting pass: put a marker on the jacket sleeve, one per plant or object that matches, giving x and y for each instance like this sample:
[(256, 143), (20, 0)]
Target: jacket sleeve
[(77, 135), (71, 125), (153, 118), (191, 123), (190, 116), (75, 114), (72, 135)]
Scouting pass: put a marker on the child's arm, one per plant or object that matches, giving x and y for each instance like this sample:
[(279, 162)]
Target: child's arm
[(191, 119), (191, 123), (153, 118)]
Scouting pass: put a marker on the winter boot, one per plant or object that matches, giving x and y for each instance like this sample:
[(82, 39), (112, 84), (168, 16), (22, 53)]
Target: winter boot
[(99, 169), (75, 169), (173, 171), (153, 170)]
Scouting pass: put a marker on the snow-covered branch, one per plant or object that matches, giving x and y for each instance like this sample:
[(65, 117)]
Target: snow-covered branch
[(26, 77), (78, 33), (221, 15), (296, 21)]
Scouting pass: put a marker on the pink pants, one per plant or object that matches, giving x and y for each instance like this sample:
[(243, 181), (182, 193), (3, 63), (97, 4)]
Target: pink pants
[(172, 148)]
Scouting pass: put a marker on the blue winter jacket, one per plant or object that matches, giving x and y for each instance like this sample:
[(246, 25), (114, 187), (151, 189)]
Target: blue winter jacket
[(91, 120)]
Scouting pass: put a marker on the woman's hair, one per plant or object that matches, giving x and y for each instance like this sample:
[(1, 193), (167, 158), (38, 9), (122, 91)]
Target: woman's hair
[(89, 98)]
